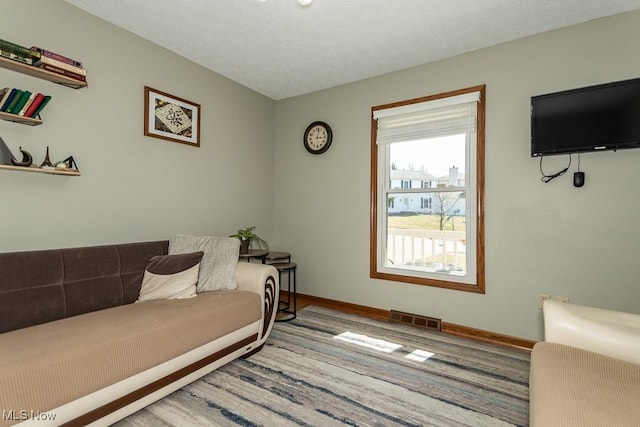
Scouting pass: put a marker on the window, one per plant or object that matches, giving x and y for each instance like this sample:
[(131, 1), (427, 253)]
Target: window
[(425, 203), (436, 237)]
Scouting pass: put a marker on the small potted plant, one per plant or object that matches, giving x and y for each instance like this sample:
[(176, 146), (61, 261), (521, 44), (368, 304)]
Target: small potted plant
[(247, 236)]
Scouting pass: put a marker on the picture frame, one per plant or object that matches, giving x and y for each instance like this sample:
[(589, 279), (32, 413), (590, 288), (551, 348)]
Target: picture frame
[(171, 118)]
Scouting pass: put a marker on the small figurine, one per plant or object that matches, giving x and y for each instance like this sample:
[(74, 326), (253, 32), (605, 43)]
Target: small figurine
[(68, 163), (47, 162), (27, 159)]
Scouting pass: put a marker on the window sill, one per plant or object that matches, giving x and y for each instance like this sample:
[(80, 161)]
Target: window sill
[(465, 287)]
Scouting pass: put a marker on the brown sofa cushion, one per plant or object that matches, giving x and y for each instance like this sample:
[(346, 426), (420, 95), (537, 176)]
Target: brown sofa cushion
[(41, 286), (92, 279), (31, 288)]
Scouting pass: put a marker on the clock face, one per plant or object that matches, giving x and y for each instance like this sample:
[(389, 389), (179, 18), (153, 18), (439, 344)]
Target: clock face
[(317, 137)]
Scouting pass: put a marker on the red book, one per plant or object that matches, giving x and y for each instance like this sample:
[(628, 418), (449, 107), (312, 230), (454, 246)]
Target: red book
[(34, 105), (44, 102), (62, 72)]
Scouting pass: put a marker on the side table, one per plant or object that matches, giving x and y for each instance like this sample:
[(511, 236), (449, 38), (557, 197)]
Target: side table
[(285, 306), (276, 256), (255, 253)]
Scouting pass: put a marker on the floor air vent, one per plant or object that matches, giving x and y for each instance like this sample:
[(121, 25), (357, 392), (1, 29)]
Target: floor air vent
[(415, 320)]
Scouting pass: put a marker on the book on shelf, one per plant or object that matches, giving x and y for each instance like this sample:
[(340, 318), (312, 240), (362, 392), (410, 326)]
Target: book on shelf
[(57, 56), (37, 100), (18, 49), (6, 100), (27, 104), (15, 108), (62, 72), (62, 65), (14, 101), (44, 102), (16, 56), (4, 94)]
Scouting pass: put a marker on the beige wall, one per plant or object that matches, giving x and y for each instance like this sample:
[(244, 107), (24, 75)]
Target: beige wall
[(253, 170), (132, 187), (540, 238)]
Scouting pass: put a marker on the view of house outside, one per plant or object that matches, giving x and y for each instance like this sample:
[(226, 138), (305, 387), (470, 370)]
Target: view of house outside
[(426, 205)]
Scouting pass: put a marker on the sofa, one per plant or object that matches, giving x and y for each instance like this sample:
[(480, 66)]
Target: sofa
[(78, 344), (587, 370)]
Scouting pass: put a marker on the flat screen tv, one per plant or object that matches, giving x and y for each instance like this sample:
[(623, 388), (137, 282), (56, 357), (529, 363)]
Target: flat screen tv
[(594, 118)]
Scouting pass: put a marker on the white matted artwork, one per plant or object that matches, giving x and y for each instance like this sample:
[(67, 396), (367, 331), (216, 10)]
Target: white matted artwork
[(170, 117)]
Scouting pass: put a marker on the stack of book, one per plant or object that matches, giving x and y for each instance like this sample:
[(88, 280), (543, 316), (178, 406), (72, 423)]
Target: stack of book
[(22, 102), (45, 59), (59, 64)]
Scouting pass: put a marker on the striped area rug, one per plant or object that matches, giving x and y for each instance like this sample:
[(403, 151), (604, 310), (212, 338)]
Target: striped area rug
[(328, 368)]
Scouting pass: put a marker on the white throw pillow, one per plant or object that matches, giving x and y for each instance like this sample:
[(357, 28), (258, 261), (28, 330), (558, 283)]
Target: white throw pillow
[(170, 276), (218, 266)]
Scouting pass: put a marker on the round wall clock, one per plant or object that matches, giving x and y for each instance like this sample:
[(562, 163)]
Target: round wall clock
[(317, 137)]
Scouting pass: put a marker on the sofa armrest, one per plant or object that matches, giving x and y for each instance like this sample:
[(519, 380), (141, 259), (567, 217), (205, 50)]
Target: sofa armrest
[(612, 333), (252, 276), (262, 279)]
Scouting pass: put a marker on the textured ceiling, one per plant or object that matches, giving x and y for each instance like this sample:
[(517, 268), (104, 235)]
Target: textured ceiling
[(282, 49)]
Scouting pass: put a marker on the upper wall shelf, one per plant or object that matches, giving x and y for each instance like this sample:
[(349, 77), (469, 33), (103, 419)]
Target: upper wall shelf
[(39, 73)]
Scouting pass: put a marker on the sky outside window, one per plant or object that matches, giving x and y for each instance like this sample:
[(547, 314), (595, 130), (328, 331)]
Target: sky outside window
[(436, 155)]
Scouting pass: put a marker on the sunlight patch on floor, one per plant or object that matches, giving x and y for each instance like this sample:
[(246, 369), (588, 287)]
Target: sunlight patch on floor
[(419, 355), (382, 345), (365, 341)]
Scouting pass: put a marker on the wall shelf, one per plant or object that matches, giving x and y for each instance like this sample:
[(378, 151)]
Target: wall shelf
[(39, 73), (38, 170), (30, 121)]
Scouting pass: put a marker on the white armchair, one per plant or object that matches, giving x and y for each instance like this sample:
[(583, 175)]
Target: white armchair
[(608, 332)]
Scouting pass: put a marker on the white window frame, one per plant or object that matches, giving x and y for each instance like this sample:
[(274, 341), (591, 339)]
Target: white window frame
[(473, 280)]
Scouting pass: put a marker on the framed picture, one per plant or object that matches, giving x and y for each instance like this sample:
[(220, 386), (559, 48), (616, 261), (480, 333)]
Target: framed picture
[(171, 118)]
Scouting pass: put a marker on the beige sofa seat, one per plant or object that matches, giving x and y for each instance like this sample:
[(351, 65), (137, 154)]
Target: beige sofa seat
[(47, 365), (586, 373), (574, 387)]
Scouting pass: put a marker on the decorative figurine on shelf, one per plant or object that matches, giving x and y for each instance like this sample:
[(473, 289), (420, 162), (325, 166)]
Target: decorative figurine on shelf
[(67, 164), (6, 156), (47, 162), (27, 159)]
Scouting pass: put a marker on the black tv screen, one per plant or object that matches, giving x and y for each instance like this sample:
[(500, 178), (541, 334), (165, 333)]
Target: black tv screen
[(595, 118)]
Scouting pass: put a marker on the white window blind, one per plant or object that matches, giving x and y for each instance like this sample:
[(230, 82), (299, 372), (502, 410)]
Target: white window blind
[(430, 119)]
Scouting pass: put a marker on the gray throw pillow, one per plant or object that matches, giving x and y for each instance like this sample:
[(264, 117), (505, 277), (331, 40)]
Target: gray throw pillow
[(218, 266)]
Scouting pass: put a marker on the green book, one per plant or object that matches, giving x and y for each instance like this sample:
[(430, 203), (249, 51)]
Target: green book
[(15, 108), (15, 100), (41, 106), (16, 48)]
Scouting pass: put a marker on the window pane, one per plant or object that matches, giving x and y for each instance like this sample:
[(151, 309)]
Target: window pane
[(427, 232), (430, 163)]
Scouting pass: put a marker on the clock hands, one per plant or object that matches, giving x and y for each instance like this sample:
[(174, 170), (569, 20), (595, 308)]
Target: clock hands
[(319, 136)]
